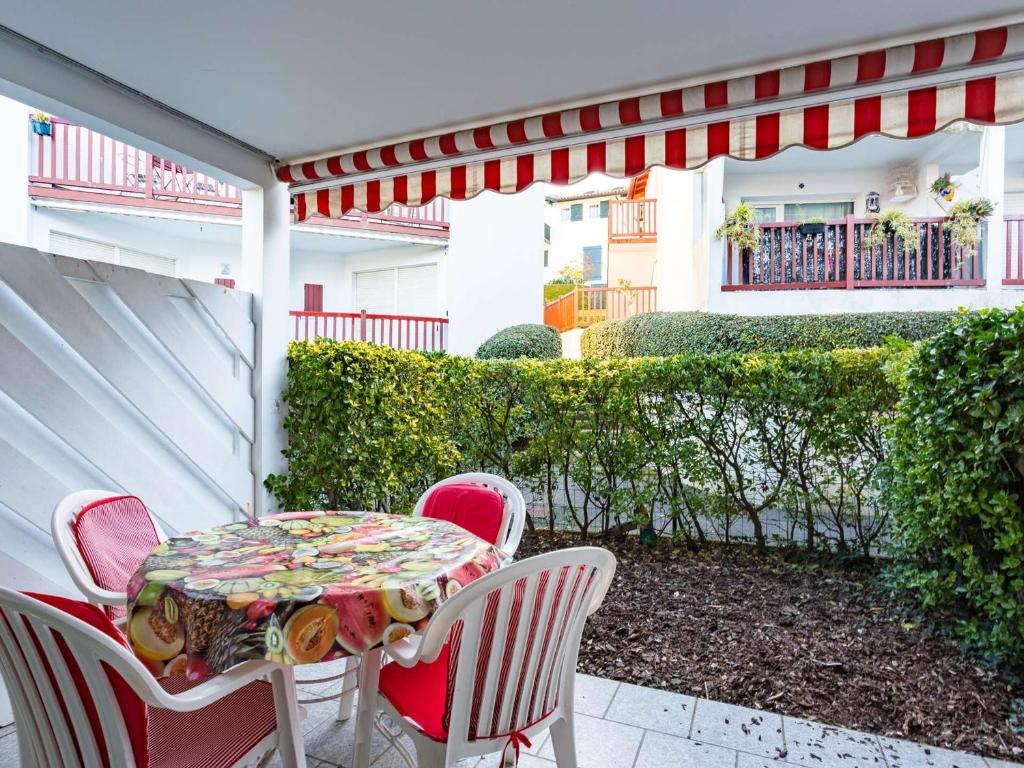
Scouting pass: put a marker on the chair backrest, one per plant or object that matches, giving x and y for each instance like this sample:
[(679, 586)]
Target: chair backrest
[(514, 637), (514, 505), (73, 684), (103, 537)]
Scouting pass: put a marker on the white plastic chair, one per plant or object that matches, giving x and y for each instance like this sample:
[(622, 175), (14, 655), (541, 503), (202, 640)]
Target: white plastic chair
[(496, 665), (237, 714), (65, 514), (514, 510)]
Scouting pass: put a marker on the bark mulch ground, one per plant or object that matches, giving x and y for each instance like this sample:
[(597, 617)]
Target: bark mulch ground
[(811, 640)]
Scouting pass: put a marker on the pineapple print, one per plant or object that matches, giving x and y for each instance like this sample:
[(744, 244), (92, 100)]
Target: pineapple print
[(201, 619), (228, 643)]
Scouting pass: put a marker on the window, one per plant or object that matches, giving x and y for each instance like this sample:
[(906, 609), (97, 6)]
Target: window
[(545, 258), (802, 211), (400, 290), (576, 212), (565, 214), (83, 248), (604, 209), (592, 264), (594, 211), (547, 233), (765, 214)]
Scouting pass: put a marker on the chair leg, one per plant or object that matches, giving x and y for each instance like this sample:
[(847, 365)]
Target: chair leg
[(346, 703), (431, 754), (563, 739), (289, 719)]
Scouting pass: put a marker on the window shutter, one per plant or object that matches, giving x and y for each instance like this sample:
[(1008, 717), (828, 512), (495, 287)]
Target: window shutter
[(313, 297), (417, 290), (576, 212), (375, 291)]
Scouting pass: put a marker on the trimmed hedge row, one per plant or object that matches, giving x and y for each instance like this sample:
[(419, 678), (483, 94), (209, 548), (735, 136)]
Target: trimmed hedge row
[(528, 340), (673, 333), (697, 444), (955, 478)]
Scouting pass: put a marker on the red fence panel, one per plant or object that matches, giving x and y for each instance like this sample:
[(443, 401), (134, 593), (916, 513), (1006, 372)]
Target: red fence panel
[(425, 334)]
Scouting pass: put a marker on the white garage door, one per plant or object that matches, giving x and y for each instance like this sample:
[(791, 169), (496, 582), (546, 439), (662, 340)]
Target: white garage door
[(398, 291)]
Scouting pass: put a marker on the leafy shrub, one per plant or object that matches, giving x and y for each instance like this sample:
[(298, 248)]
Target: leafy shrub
[(955, 478), (366, 427), (673, 333), (528, 340), (557, 288), (693, 443)]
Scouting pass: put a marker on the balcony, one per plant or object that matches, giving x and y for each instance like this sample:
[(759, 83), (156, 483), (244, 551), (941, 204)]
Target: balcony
[(840, 258), (633, 221), (424, 334), (79, 165), (582, 307)]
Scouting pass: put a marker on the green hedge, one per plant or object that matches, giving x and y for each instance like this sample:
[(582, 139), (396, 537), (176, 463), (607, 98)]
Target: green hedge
[(673, 333), (956, 478), (694, 442), (528, 340), (553, 290)]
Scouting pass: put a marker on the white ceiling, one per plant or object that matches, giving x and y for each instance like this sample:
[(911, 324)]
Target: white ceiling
[(297, 79)]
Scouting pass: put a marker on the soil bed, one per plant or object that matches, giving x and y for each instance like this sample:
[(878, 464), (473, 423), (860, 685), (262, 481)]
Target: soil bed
[(814, 641)]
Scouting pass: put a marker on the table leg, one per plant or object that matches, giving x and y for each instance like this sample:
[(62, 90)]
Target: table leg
[(366, 706), (348, 685)]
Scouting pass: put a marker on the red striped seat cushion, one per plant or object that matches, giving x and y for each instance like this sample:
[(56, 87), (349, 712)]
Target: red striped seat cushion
[(477, 509), (215, 736), (114, 536)]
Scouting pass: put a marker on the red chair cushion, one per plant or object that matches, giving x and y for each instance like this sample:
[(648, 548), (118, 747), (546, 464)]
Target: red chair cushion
[(114, 536), (216, 736), (477, 509), (419, 693), (133, 709)]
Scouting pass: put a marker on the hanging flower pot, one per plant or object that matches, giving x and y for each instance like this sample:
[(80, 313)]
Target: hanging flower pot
[(41, 125), (814, 226)]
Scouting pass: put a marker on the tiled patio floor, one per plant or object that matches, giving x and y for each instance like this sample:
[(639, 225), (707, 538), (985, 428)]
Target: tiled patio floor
[(625, 726)]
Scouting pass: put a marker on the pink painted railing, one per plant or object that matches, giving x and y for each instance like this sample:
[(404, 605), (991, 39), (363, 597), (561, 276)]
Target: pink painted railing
[(1014, 274), (633, 221), (426, 334), (840, 258), (80, 164), (582, 307), (77, 157)]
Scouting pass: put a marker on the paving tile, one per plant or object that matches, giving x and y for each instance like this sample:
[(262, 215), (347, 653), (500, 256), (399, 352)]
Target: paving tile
[(525, 761), (907, 754), (993, 763), (810, 743), (601, 743), (318, 714), (744, 760), (740, 728), (660, 750), (594, 694), (332, 741), (663, 711)]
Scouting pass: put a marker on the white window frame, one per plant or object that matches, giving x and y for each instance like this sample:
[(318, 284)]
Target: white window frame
[(779, 204)]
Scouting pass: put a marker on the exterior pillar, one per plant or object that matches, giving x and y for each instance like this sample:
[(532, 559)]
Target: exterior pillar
[(993, 183), (713, 216), (265, 273)]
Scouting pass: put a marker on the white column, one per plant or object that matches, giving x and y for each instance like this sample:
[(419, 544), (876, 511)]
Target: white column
[(14, 201), (993, 175), (713, 217), (265, 273)]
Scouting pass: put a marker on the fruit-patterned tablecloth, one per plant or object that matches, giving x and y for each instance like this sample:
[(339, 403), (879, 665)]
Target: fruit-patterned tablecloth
[(295, 588)]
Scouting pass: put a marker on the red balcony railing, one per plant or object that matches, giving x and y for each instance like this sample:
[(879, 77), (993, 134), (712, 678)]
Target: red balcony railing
[(75, 163), (426, 334), (632, 221), (841, 258), (1014, 274), (582, 307)]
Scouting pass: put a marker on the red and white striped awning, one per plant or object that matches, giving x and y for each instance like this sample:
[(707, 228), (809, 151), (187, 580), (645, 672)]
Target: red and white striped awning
[(904, 92)]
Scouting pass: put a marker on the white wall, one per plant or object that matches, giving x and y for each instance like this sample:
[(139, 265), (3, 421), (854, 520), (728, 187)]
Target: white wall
[(14, 132), (680, 270), (569, 238), (495, 265)]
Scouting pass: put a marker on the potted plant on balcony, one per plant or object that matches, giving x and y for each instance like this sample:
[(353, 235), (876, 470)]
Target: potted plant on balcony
[(41, 124), (894, 223), (813, 225), (740, 228), (964, 220), (943, 187)]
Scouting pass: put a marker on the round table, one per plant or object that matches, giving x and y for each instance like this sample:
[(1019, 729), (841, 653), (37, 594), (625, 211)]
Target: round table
[(295, 588)]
